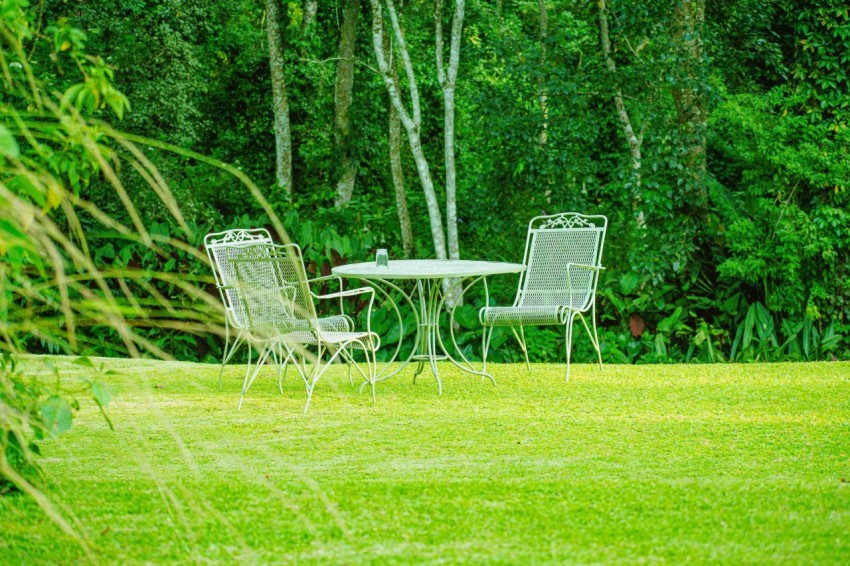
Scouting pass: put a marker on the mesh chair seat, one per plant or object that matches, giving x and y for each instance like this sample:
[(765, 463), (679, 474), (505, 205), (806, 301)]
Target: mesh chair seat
[(513, 316), (300, 327), (351, 340), (337, 323)]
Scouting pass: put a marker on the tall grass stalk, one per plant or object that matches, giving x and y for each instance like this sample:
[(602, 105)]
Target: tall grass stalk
[(53, 293)]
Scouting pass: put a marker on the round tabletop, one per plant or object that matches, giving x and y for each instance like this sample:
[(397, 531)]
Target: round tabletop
[(426, 269)]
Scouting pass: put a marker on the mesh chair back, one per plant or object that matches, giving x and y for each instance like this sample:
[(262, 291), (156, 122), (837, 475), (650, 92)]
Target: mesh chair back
[(289, 264), (553, 243), (217, 245), (272, 287)]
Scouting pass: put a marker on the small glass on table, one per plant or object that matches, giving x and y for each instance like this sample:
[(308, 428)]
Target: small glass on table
[(382, 258)]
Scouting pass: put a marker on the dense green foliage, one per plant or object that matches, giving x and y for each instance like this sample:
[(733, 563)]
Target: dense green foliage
[(724, 463), (20, 423), (742, 247)]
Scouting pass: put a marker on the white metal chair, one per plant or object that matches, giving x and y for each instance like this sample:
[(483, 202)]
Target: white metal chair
[(272, 286), (219, 247), (563, 258)]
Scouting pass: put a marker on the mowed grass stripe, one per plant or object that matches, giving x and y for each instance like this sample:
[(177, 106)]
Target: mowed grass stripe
[(671, 463)]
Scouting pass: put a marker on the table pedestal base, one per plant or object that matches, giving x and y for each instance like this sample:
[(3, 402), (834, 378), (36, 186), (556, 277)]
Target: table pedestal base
[(429, 276)]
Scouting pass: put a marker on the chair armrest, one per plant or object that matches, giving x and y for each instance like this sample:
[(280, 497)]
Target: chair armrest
[(349, 293), (325, 278), (322, 279), (585, 266), (353, 293), (595, 268)]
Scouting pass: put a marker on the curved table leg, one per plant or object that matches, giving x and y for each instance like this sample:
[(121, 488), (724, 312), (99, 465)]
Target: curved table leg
[(381, 286), (428, 335), (464, 363), (429, 346)]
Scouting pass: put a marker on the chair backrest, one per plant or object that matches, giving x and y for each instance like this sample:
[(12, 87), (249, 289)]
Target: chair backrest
[(272, 287), (552, 244), (217, 245)]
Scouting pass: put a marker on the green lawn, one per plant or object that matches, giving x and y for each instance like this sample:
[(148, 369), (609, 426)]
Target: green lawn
[(698, 463)]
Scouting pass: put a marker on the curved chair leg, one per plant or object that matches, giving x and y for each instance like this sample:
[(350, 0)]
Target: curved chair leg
[(220, 376), (569, 340), (281, 371), (311, 381), (314, 376), (276, 358), (371, 373), (261, 360), (348, 357), (596, 336), (309, 396), (224, 357), (593, 338), (344, 359), (522, 344), (282, 357), (229, 350), (371, 368), (248, 367), (300, 365), (485, 346), (319, 369)]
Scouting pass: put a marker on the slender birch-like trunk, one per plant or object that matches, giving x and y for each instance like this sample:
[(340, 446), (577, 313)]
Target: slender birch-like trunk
[(398, 183), (634, 140), (448, 79), (282, 136), (396, 168), (411, 121), (342, 102)]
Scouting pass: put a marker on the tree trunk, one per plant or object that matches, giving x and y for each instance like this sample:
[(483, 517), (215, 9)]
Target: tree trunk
[(634, 141), (448, 79), (411, 121), (398, 183), (396, 167), (688, 94), (342, 102), (283, 139)]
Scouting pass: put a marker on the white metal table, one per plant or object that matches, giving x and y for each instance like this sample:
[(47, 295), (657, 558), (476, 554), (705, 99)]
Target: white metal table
[(429, 275)]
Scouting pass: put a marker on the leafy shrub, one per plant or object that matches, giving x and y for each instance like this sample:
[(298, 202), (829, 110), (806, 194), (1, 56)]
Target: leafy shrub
[(21, 423)]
